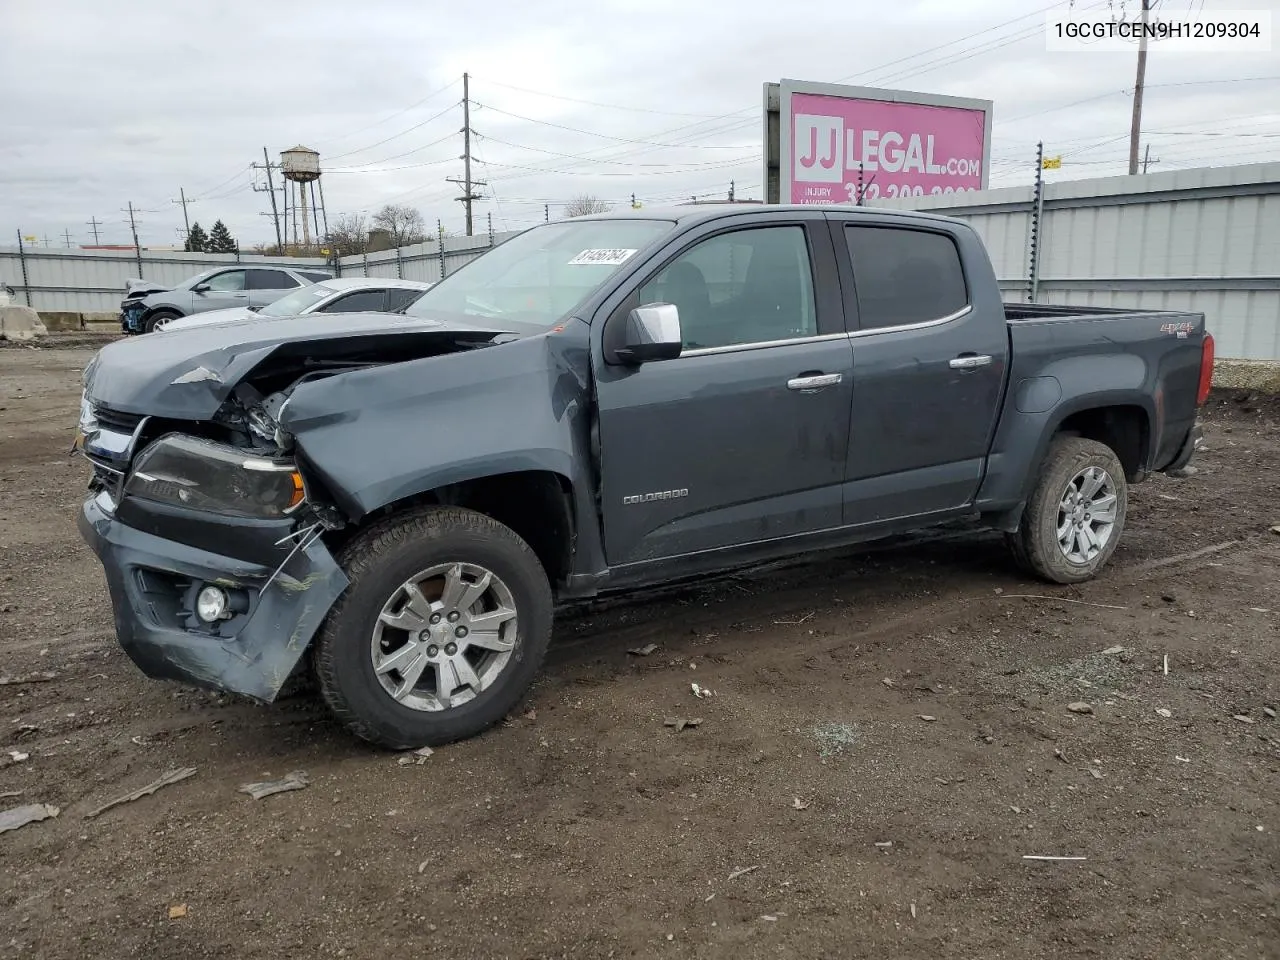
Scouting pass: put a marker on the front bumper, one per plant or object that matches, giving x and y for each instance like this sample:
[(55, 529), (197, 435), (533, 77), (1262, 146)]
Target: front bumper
[(131, 317), (152, 581)]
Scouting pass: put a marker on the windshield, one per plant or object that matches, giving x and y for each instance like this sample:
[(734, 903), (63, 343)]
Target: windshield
[(297, 302), (538, 277)]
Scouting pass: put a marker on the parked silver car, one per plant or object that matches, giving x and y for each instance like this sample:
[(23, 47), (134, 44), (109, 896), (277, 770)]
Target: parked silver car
[(341, 295), (235, 285)]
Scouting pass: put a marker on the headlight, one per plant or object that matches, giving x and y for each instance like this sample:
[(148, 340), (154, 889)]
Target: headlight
[(203, 475)]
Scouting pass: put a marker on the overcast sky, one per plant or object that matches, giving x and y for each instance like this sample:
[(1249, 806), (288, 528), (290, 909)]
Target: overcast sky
[(110, 102)]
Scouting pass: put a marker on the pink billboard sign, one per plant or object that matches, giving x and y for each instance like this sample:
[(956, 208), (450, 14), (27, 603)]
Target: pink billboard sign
[(838, 147)]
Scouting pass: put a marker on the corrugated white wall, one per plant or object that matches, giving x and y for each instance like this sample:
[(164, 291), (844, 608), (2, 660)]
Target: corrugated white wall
[(94, 280), (420, 261), (1206, 240)]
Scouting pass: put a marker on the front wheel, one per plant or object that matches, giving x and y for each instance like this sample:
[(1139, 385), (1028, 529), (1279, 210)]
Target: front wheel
[(158, 319), (445, 623), (1073, 521)]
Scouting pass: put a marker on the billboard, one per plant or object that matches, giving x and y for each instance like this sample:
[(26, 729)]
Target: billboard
[(826, 143)]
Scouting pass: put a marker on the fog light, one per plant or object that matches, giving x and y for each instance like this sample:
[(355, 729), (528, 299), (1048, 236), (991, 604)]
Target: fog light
[(212, 604)]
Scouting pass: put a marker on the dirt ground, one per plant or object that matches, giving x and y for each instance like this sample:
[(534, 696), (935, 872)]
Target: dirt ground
[(887, 740)]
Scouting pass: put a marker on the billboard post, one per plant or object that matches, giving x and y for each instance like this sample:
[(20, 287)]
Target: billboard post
[(826, 143)]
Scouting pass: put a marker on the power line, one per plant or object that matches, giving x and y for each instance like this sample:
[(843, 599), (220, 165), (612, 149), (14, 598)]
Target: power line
[(377, 123), (595, 103), (602, 136), (578, 156), (396, 136), (396, 156), (235, 176)]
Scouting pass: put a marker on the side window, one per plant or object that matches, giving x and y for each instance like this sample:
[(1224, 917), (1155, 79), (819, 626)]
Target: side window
[(398, 299), (905, 276), (361, 300), (227, 282), (748, 286), (315, 277), (271, 280)]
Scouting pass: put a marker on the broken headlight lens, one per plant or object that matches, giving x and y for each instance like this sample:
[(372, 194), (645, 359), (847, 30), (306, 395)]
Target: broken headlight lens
[(203, 475)]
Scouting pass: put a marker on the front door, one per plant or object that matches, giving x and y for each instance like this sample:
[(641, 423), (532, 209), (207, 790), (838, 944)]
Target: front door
[(223, 290), (743, 437), (929, 355)]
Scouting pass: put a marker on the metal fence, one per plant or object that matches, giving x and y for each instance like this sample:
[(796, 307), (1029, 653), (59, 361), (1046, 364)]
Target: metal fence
[(421, 261), (85, 281), (1206, 240)]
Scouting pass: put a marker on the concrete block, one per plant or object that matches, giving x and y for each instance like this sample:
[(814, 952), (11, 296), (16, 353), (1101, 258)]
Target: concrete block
[(62, 320), (20, 323), (1260, 375), (111, 317)]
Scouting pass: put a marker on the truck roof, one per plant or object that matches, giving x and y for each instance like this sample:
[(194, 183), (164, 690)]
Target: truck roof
[(691, 213)]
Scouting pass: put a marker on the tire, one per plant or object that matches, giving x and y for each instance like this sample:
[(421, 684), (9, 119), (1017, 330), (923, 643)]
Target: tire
[(1036, 544), (160, 316), (381, 564)]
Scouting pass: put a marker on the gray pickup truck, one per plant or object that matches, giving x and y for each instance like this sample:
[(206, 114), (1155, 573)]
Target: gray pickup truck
[(597, 405)]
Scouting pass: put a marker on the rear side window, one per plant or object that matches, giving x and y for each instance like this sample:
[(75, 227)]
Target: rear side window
[(399, 298), (358, 302), (270, 280), (905, 276), (315, 277)]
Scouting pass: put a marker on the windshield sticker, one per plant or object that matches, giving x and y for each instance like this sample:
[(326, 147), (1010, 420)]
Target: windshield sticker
[(609, 258)]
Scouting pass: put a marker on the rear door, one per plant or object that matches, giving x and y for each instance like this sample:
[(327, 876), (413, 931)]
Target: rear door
[(929, 358), (742, 438), (267, 285)]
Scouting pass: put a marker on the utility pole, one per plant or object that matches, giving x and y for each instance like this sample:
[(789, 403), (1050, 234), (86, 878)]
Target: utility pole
[(468, 193), (1135, 128), (1146, 158), (67, 235), (186, 222), (94, 223), (137, 248), (275, 211)]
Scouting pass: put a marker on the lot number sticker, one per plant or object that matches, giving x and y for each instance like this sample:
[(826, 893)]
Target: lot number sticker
[(609, 258)]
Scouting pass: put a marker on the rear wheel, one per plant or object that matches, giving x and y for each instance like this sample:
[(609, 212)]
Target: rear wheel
[(155, 319), (1073, 521), (440, 633)]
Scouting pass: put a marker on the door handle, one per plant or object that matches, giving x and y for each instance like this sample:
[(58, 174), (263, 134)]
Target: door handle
[(970, 361), (818, 381)]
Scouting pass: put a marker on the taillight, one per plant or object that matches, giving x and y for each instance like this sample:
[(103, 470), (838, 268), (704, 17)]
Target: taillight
[(1206, 370)]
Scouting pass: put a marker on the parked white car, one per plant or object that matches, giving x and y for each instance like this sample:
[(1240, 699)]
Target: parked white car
[(339, 295)]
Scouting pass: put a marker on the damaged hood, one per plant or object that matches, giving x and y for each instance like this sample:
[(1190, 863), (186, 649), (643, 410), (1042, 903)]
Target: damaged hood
[(187, 374)]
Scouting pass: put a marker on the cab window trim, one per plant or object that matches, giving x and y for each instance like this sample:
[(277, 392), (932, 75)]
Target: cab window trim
[(806, 227), (853, 307)]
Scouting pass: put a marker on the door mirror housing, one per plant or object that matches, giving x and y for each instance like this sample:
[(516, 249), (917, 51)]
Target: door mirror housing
[(651, 332), (200, 288)]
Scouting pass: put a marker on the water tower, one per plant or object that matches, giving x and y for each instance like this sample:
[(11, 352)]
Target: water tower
[(301, 168)]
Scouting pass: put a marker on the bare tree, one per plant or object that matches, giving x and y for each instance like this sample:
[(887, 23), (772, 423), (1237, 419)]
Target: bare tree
[(348, 234), (405, 224), (585, 204)]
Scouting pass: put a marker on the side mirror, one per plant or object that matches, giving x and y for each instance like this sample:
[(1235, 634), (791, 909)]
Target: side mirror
[(200, 288), (652, 332)]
